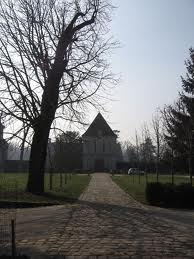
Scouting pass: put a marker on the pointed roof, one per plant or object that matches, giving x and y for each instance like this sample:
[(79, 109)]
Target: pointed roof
[(99, 126)]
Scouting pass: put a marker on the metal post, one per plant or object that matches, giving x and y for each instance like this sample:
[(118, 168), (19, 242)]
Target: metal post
[(50, 178), (13, 246), (146, 176), (61, 180)]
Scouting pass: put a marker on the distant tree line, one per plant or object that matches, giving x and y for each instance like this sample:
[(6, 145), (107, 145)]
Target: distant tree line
[(67, 152)]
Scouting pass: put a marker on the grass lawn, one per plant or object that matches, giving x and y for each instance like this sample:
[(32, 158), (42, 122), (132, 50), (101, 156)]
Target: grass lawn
[(130, 184), (12, 188)]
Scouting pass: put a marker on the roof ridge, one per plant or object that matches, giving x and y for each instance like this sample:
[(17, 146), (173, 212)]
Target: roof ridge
[(99, 125)]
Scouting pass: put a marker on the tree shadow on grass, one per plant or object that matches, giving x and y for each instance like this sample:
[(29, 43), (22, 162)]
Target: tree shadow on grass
[(57, 198), (28, 200), (24, 253)]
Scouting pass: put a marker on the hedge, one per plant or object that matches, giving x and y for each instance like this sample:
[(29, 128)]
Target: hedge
[(169, 195)]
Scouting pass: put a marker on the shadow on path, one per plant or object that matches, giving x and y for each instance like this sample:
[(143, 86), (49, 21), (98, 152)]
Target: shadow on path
[(98, 229), (105, 222)]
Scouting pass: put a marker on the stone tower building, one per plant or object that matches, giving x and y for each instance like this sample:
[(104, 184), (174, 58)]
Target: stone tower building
[(100, 147)]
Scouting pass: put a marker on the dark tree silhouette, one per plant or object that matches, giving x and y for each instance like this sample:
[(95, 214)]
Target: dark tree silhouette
[(180, 133), (52, 61), (180, 124), (67, 151), (158, 139), (169, 138)]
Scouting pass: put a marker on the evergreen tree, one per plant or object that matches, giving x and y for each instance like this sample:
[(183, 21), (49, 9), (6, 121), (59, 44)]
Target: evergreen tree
[(181, 118)]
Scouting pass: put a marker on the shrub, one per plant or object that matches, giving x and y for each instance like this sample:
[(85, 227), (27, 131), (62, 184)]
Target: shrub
[(154, 193), (185, 196), (169, 195)]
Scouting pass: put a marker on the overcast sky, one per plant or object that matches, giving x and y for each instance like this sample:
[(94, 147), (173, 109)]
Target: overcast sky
[(155, 37)]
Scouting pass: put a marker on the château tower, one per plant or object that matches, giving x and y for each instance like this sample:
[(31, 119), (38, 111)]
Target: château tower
[(100, 147)]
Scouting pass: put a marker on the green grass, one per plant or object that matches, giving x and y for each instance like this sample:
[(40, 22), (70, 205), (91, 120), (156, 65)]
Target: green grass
[(12, 188), (130, 184)]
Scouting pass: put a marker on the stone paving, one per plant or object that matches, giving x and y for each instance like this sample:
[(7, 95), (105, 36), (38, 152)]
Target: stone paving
[(105, 224)]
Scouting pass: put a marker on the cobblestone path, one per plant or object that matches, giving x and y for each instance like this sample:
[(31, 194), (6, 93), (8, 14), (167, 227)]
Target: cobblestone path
[(105, 224)]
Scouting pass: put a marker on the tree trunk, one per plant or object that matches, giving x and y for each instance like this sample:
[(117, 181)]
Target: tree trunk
[(172, 166), (61, 180), (146, 177), (139, 177), (43, 122), (21, 168), (42, 129), (158, 156), (38, 158), (51, 178), (190, 168), (157, 169)]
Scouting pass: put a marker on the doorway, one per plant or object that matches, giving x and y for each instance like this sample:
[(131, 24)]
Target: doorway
[(99, 165)]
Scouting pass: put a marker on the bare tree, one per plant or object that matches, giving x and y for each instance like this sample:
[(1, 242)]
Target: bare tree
[(146, 147), (22, 146), (52, 61), (158, 138), (137, 144), (137, 147), (147, 150), (186, 123), (166, 119)]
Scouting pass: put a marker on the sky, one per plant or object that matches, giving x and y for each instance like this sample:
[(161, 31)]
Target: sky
[(155, 37)]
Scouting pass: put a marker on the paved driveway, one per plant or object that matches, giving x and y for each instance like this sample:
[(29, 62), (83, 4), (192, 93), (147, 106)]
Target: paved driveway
[(105, 224)]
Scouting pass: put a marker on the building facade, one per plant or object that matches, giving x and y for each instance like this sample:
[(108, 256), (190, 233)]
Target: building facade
[(100, 148)]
